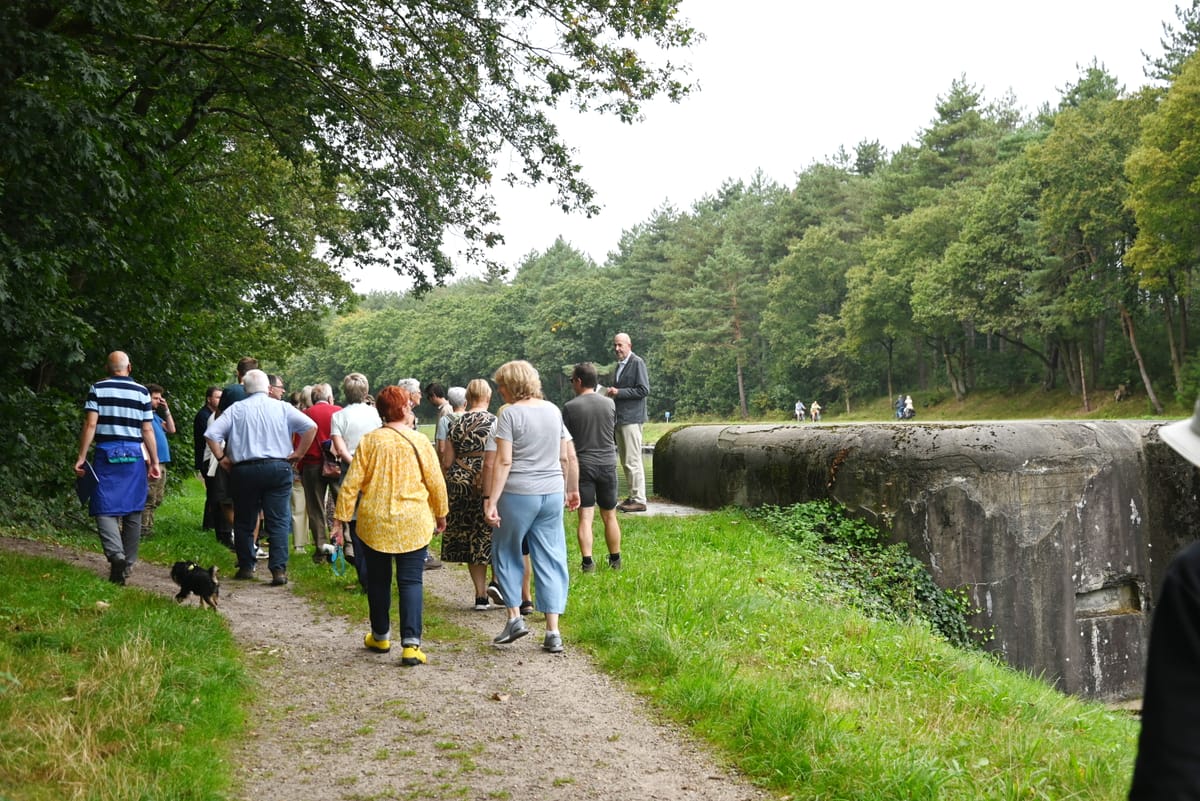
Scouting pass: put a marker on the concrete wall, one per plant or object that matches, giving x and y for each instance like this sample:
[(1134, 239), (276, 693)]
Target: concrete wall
[(1059, 530)]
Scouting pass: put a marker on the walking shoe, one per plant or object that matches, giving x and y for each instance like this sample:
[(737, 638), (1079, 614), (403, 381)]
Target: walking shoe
[(260, 552), (632, 506), (552, 642), (481, 604), (614, 561), (278, 578), (244, 574), (493, 591), (514, 629), (588, 566), (379, 646), (116, 571), (412, 655), (526, 608), (432, 562)]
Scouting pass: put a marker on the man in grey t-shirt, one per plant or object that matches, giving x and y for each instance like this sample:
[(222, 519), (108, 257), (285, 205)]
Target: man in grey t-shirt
[(590, 418)]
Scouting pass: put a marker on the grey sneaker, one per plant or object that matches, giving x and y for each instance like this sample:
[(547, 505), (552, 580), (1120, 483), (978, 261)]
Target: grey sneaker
[(614, 563), (514, 630), (588, 566), (552, 642)]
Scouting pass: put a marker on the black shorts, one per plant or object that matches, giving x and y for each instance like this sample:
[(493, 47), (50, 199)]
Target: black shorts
[(224, 492), (598, 485)]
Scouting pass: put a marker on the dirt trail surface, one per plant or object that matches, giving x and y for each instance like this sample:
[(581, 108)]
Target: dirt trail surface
[(335, 722)]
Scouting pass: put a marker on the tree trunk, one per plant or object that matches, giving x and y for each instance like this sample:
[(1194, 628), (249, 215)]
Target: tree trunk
[(954, 380), (741, 382), (1127, 320), (1083, 382), (1176, 355)]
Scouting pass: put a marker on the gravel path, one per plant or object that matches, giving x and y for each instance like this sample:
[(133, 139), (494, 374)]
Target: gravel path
[(335, 722)]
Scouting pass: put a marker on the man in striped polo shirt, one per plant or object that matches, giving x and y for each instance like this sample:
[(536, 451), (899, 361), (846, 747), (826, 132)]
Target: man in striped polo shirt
[(117, 417)]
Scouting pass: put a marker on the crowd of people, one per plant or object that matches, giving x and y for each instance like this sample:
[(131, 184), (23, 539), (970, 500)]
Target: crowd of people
[(299, 472)]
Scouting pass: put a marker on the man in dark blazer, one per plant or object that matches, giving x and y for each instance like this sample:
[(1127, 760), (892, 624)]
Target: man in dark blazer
[(630, 387)]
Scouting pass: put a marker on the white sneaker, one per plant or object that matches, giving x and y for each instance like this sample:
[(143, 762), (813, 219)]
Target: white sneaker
[(261, 554)]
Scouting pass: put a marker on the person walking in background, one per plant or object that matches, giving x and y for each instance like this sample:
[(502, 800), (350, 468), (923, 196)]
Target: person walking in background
[(205, 467), (899, 407), (457, 398), (590, 417), (346, 428), (468, 537), (252, 440), (631, 385), (312, 477), (164, 424), (534, 471), (395, 483), (116, 417)]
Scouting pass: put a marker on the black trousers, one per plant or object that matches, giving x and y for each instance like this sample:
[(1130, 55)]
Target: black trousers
[(1168, 758)]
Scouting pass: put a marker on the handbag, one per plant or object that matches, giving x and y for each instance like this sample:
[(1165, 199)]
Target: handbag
[(330, 467)]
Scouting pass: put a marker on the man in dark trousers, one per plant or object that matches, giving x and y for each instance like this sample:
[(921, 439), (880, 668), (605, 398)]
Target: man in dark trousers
[(1168, 756), (630, 387)]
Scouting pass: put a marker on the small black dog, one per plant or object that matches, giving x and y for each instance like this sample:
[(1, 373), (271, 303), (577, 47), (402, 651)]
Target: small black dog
[(192, 578)]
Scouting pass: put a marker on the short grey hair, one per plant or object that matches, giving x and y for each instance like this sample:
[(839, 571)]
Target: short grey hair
[(409, 385), (457, 396), (255, 381), (322, 392), (354, 388)]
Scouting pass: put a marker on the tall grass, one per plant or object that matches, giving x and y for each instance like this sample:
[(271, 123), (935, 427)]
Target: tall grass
[(728, 630), (110, 693)]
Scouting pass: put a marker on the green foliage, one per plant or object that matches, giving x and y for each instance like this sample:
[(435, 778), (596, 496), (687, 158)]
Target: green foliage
[(882, 580)]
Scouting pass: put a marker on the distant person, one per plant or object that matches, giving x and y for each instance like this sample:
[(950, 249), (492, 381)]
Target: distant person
[(468, 537), (1168, 753), (631, 385), (534, 473), (590, 417), (457, 398), (252, 440), (116, 417), (164, 424), (317, 485), (910, 411), (815, 410), (347, 428), (206, 468), (899, 407), (395, 487), (800, 411)]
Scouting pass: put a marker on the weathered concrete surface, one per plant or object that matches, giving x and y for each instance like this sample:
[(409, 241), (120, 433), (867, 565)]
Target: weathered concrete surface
[(1059, 530)]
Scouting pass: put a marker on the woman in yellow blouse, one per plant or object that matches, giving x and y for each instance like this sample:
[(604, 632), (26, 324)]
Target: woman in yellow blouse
[(396, 480)]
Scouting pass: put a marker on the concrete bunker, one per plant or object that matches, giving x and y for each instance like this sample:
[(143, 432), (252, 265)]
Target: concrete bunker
[(1060, 531)]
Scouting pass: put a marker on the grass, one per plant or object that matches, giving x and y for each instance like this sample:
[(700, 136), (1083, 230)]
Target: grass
[(721, 623), (716, 620), (112, 694)]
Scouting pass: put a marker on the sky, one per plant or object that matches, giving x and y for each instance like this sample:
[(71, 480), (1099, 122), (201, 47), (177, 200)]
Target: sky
[(786, 83)]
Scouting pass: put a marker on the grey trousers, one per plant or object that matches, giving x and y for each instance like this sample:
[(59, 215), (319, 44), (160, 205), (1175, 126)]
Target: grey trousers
[(119, 536)]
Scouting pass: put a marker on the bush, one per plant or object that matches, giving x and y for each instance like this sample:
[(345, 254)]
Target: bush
[(881, 579)]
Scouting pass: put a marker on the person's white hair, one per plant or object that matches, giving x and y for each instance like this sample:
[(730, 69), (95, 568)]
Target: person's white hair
[(255, 381), (409, 385), (457, 396), (322, 392)]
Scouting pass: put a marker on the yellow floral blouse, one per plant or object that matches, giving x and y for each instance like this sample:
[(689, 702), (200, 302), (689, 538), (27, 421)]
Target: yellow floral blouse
[(399, 498)]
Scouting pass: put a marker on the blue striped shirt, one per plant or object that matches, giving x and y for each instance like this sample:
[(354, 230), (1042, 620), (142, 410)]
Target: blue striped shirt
[(121, 405)]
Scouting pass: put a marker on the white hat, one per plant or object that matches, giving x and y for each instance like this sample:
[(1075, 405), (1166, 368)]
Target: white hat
[(1184, 436)]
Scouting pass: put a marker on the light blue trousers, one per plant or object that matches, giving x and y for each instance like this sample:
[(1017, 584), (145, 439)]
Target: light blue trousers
[(540, 517)]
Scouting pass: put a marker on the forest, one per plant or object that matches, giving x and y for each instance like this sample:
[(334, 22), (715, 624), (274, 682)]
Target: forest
[(190, 183), (994, 252)]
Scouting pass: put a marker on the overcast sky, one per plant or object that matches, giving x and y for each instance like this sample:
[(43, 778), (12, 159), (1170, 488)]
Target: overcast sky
[(785, 83)]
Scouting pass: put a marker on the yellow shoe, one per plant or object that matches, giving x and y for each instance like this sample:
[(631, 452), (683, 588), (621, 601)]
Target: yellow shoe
[(412, 656), (380, 646)]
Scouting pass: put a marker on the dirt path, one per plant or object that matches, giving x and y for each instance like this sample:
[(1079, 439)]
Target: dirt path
[(335, 722)]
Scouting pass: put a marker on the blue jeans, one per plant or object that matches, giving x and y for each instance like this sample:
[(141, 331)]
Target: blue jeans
[(410, 579), (538, 520), (262, 485)]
